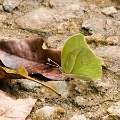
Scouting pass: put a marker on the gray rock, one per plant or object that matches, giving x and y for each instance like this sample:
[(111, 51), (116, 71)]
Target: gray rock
[(78, 117), (27, 84), (47, 112), (9, 5), (47, 20), (94, 25), (105, 27), (61, 87), (110, 56), (42, 19), (114, 110), (109, 10)]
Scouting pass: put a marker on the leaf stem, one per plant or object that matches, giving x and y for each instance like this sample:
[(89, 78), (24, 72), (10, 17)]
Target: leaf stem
[(34, 80)]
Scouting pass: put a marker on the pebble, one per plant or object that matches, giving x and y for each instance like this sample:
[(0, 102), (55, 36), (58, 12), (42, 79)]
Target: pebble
[(81, 101), (110, 56), (78, 117), (94, 25), (9, 5), (27, 84), (47, 112), (61, 87), (97, 38), (105, 27), (112, 40), (109, 10), (114, 110)]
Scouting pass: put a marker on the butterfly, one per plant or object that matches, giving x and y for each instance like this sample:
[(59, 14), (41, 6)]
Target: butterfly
[(78, 60)]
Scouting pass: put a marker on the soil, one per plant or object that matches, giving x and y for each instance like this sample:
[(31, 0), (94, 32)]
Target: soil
[(92, 99)]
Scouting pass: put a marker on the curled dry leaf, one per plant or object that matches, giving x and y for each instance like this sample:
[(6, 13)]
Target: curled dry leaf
[(30, 54), (6, 73), (12, 109)]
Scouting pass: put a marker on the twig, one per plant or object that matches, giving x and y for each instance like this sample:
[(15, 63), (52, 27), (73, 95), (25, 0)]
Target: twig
[(34, 80)]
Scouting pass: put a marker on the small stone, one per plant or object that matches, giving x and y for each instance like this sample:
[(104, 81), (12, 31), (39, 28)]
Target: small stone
[(103, 86), (62, 28), (105, 27), (9, 5), (81, 101), (78, 117), (47, 112), (110, 55), (97, 38), (109, 10), (27, 84), (61, 87), (114, 110), (94, 25), (112, 40)]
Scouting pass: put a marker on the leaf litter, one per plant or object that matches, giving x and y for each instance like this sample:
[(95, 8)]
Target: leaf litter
[(30, 54), (15, 109), (26, 56)]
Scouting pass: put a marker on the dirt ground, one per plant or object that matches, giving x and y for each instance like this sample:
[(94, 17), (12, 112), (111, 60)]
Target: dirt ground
[(91, 99)]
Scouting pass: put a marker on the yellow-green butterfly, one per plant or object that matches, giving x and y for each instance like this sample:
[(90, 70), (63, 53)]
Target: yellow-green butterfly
[(78, 60)]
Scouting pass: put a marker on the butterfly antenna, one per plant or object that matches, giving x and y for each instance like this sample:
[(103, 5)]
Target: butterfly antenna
[(51, 61)]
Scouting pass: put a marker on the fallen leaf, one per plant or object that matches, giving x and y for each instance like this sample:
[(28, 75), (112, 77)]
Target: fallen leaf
[(76, 59), (12, 109), (6, 73), (30, 54), (28, 118)]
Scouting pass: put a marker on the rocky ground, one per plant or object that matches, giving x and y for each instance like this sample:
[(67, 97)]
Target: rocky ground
[(55, 21)]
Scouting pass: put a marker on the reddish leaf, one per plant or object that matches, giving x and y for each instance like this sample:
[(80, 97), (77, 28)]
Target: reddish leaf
[(30, 54)]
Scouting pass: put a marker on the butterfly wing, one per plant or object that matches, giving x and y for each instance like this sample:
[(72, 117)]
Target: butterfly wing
[(78, 60)]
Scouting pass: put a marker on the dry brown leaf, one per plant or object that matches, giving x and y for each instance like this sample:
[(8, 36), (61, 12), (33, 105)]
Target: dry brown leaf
[(6, 73), (11, 109), (30, 54)]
